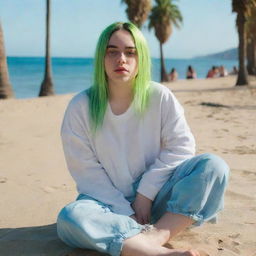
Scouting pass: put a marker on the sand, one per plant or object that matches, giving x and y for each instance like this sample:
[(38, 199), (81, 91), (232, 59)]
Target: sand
[(35, 183)]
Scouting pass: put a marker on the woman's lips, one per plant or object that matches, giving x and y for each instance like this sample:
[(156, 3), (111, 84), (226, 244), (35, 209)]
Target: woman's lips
[(121, 70)]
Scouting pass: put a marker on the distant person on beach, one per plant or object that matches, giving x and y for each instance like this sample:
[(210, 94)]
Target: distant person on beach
[(132, 155), (234, 71), (191, 73), (213, 72), (222, 71), (173, 76)]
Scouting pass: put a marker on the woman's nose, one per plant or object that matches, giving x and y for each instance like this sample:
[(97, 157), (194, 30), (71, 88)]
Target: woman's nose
[(122, 58)]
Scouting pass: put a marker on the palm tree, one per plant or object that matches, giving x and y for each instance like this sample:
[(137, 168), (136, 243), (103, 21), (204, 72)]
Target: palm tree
[(137, 11), (162, 17), (47, 84), (5, 86), (251, 56), (251, 42), (242, 8)]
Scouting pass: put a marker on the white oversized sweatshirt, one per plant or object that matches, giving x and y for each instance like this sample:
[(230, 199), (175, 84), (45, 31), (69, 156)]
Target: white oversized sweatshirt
[(105, 165)]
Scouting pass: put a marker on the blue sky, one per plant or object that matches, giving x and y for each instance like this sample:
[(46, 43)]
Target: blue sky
[(208, 27)]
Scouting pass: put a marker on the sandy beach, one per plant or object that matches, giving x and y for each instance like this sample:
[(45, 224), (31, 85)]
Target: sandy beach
[(35, 183)]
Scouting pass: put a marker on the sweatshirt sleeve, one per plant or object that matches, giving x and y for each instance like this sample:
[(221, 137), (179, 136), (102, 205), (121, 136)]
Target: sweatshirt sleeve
[(177, 145), (90, 177)]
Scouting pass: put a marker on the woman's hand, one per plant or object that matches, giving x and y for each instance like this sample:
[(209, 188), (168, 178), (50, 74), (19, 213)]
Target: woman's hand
[(142, 207)]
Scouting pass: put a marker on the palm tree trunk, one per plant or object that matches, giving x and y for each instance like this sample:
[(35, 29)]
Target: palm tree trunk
[(242, 78), (251, 57), (164, 77), (47, 84), (254, 56), (5, 86)]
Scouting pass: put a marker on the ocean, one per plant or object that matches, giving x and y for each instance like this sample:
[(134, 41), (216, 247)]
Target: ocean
[(71, 75)]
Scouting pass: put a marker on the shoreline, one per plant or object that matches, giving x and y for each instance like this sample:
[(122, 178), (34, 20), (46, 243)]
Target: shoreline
[(187, 86)]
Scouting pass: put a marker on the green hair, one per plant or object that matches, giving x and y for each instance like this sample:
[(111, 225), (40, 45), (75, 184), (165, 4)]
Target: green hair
[(98, 93)]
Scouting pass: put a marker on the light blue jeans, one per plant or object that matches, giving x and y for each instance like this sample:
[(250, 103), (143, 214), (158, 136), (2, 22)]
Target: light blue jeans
[(196, 189)]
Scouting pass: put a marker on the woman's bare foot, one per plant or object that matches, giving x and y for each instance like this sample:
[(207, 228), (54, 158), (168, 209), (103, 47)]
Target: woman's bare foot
[(146, 244)]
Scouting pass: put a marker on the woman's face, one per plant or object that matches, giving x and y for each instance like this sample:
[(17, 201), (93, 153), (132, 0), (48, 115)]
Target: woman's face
[(121, 60)]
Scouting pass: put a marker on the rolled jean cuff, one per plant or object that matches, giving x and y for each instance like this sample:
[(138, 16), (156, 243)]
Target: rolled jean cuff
[(116, 245), (198, 218)]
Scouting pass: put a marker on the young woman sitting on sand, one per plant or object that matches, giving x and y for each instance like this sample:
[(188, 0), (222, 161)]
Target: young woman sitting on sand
[(131, 153)]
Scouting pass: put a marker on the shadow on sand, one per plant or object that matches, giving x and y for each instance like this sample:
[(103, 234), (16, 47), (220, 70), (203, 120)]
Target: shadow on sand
[(37, 241)]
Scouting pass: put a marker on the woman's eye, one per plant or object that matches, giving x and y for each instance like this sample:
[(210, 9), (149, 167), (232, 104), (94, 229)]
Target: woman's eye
[(112, 52), (131, 53)]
